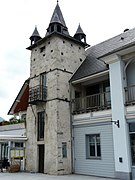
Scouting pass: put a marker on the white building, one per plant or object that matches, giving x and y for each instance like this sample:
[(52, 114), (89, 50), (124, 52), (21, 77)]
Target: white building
[(104, 109), (12, 142)]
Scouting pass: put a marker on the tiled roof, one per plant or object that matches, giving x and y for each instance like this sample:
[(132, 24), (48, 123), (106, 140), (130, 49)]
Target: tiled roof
[(114, 44), (89, 67), (57, 11), (79, 30), (55, 18), (92, 64), (35, 33)]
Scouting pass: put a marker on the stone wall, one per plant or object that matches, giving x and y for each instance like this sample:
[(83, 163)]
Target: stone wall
[(59, 59)]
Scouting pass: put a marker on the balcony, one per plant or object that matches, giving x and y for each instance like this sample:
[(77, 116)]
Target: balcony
[(95, 102), (37, 94), (130, 95)]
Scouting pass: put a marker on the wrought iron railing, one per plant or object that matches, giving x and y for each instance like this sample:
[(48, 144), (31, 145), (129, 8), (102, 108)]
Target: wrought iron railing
[(37, 93), (130, 95), (93, 102)]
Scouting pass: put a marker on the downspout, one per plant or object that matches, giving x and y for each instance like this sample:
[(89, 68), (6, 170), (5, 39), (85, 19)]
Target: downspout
[(72, 138)]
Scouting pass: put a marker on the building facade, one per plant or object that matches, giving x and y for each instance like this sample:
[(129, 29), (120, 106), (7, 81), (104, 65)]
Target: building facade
[(80, 115), (104, 109)]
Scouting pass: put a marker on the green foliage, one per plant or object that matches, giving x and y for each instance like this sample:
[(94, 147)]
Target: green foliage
[(16, 121)]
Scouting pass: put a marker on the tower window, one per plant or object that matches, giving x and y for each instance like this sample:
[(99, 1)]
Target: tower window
[(61, 53), (52, 28), (58, 28), (42, 49), (40, 126), (64, 149)]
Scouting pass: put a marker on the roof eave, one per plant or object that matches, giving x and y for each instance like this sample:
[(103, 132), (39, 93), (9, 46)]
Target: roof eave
[(56, 33), (86, 78), (10, 112)]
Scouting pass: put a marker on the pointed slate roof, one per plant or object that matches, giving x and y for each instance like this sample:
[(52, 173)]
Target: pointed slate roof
[(57, 11), (79, 30), (35, 33), (55, 19)]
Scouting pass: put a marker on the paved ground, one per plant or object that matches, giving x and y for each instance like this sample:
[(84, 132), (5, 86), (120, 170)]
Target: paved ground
[(37, 176)]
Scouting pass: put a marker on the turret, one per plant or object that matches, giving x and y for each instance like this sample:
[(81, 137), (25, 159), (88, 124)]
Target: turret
[(79, 35), (57, 23), (35, 36)]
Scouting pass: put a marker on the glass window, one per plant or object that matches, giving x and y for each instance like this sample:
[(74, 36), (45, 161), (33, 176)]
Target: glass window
[(43, 84), (132, 141), (18, 144), (64, 150), (41, 125), (132, 127), (93, 147)]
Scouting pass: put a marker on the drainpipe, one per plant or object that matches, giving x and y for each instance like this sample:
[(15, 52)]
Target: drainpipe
[(71, 128)]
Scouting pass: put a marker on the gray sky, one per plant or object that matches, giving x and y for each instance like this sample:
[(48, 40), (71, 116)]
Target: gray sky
[(99, 19)]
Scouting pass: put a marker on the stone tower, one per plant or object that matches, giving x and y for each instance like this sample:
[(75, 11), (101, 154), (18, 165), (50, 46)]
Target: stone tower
[(54, 59)]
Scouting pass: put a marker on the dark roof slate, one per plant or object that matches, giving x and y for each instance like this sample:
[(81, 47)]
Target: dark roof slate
[(35, 33), (89, 67), (79, 30), (55, 19), (57, 11), (114, 44), (92, 64)]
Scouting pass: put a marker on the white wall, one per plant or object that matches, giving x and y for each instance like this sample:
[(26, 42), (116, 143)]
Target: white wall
[(120, 135)]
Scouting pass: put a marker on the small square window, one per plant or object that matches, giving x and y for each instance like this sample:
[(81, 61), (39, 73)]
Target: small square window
[(93, 146), (42, 49)]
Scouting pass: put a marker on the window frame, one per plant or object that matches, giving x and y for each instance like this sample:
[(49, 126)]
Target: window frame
[(88, 151), (40, 123), (64, 149)]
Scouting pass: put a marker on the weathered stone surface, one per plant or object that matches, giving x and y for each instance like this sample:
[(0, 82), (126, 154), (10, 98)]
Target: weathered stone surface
[(59, 60)]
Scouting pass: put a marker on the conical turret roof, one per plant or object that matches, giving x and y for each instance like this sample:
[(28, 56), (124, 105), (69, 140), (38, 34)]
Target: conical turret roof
[(57, 11), (79, 30), (35, 33), (55, 19)]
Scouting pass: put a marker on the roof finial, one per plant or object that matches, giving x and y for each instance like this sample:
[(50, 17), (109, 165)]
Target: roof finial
[(57, 1)]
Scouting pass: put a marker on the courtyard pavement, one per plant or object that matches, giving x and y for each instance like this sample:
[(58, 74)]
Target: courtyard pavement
[(38, 176)]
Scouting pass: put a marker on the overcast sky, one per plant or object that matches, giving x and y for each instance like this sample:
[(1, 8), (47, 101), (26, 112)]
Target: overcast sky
[(99, 19)]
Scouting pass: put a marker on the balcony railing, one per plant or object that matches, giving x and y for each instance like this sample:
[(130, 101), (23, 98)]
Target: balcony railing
[(93, 102), (36, 94), (130, 95)]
